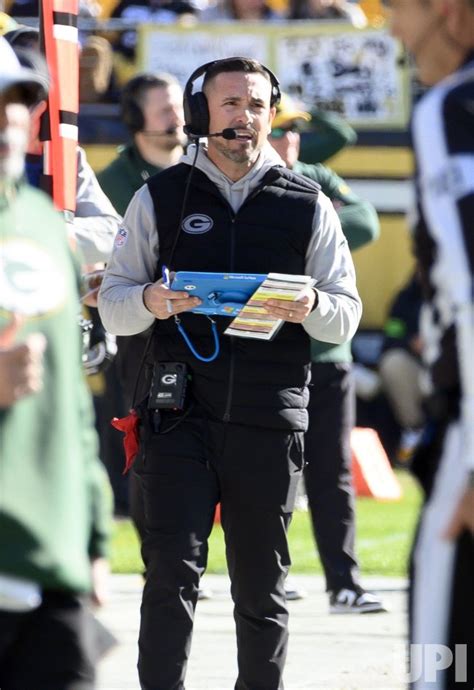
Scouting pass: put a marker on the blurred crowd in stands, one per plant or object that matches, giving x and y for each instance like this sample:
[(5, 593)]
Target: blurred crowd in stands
[(110, 38)]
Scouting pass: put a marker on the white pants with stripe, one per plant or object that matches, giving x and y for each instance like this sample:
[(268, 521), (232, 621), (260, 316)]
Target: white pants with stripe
[(434, 555)]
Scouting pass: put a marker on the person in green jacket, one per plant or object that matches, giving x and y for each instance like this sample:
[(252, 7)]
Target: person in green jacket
[(152, 110), (328, 476), (328, 134), (54, 498)]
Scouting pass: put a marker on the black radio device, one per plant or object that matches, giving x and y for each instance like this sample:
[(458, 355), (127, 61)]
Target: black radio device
[(168, 386)]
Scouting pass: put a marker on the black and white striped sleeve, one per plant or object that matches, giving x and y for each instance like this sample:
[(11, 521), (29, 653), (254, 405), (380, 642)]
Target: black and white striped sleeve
[(443, 134)]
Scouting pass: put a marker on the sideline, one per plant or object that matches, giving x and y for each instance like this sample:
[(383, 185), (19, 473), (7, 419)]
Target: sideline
[(327, 652)]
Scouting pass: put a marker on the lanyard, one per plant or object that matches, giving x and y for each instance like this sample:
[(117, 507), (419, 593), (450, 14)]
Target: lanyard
[(188, 342)]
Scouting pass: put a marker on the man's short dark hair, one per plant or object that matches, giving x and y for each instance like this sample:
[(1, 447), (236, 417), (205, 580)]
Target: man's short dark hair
[(137, 88), (134, 95), (247, 65)]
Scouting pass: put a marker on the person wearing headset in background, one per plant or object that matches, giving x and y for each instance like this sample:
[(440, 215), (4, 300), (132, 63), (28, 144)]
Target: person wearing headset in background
[(152, 110), (328, 475), (440, 36), (239, 437)]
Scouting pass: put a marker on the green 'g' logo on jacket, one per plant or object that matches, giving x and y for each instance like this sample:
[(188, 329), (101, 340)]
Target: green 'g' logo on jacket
[(31, 282)]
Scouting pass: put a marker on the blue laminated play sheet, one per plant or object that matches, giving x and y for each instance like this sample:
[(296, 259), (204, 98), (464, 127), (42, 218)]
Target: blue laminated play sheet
[(222, 294)]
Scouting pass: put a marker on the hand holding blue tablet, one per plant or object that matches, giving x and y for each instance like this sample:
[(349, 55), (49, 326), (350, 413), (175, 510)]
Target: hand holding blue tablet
[(222, 294)]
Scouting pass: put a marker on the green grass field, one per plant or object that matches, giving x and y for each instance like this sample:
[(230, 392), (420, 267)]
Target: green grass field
[(384, 534)]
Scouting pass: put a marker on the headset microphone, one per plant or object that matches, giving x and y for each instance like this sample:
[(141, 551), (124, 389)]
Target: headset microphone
[(227, 133), (162, 133)]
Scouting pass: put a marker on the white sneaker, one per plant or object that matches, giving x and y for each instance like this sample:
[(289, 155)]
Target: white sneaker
[(355, 601), (205, 593), (292, 592), (409, 441)]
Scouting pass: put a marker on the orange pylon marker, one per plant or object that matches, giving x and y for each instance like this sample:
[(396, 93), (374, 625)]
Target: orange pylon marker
[(372, 473)]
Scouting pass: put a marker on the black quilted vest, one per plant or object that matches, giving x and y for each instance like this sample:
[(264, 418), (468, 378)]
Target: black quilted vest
[(251, 382)]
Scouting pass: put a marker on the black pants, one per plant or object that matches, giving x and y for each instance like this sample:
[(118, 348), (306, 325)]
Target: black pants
[(328, 474), (50, 648), (108, 405), (134, 385), (254, 473)]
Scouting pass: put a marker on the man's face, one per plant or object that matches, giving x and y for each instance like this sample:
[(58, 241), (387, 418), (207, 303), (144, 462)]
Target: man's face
[(241, 101), (163, 109), (14, 132), (286, 142), (417, 23)]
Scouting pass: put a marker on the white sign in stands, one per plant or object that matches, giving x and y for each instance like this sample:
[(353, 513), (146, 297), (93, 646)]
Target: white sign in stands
[(182, 51), (355, 73)]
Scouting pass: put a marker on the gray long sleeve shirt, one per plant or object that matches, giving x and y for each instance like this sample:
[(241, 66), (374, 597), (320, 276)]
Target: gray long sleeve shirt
[(95, 222), (133, 262)]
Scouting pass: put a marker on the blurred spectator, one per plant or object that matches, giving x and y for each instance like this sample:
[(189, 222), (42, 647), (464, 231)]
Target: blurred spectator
[(152, 110), (89, 8), (322, 135), (22, 36), (7, 23), (95, 69), (328, 9), (243, 10), (400, 366), (24, 8), (327, 134), (328, 475), (30, 8), (147, 12), (95, 60), (54, 499)]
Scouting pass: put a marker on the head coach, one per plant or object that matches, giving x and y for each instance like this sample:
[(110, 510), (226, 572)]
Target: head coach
[(228, 205)]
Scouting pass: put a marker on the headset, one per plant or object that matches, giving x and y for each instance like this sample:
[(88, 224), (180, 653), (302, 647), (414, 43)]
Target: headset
[(196, 110), (132, 114)]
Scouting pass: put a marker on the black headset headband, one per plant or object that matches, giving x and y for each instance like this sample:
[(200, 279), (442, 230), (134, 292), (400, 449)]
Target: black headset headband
[(200, 71), (196, 112)]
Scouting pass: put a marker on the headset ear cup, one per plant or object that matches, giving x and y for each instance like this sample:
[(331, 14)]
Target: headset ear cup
[(196, 108), (132, 115), (197, 113), (187, 109), (202, 112)]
